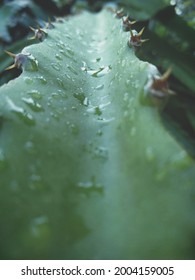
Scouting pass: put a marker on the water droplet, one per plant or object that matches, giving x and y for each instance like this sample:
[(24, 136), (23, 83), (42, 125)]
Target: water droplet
[(101, 153), (100, 87), (69, 53), (74, 129), (161, 174), (135, 84), (67, 76), (89, 187), (62, 94), (96, 60), (34, 105), (150, 154), (82, 98), (62, 51), (42, 80), (132, 114), (102, 71), (126, 96), (130, 104), (104, 121), (99, 132), (21, 113), (32, 64), (55, 95), (55, 116), (36, 182), (55, 66), (35, 94), (3, 162), (68, 36), (40, 228), (49, 44), (95, 110), (60, 44), (72, 69), (29, 147), (49, 103), (86, 101), (28, 80), (57, 56), (123, 63), (60, 83), (74, 108)]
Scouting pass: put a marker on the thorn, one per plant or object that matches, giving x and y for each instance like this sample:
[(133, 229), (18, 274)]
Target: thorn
[(160, 87), (127, 24), (167, 74), (111, 9), (39, 33), (33, 29), (48, 24), (144, 40), (131, 32), (161, 82), (32, 38), (141, 32), (19, 60), (119, 13), (126, 20), (135, 39), (10, 67), (13, 56), (10, 54)]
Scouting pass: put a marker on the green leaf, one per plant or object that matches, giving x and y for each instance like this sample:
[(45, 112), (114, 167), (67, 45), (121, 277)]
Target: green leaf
[(172, 42), (5, 76), (143, 10), (62, 3), (164, 53), (17, 12), (88, 170), (186, 10)]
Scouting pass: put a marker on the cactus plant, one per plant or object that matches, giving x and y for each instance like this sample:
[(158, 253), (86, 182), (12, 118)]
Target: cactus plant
[(88, 170)]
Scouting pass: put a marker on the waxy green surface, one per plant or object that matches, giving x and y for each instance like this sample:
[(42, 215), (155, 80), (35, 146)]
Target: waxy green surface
[(87, 171)]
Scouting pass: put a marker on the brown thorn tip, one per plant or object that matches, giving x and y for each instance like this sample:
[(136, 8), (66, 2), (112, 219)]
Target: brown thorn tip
[(31, 28), (131, 32), (10, 67), (144, 40), (141, 32), (167, 74), (32, 38), (10, 54)]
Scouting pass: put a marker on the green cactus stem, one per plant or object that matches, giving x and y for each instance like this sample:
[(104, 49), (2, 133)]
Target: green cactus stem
[(87, 170)]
